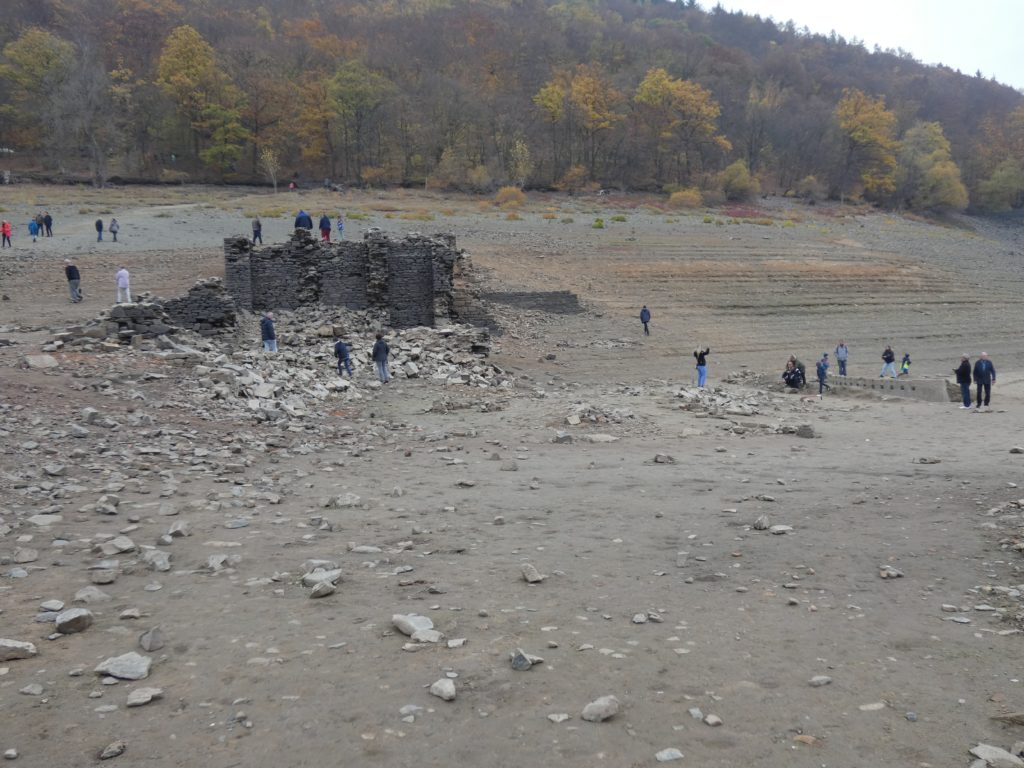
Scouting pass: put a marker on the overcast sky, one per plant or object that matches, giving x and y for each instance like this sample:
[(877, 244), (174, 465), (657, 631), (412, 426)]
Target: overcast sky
[(986, 35)]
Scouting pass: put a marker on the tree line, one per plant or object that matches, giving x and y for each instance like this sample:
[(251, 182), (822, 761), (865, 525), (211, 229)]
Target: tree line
[(473, 94)]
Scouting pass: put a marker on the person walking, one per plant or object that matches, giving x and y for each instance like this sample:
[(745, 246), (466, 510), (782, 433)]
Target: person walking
[(984, 378), (380, 354), (124, 292), (114, 228), (341, 227), (257, 231), (822, 368), (842, 355), (5, 233), (645, 318), (702, 366), (74, 280), (40, 224), (48, 223), (344, 359), (963, 378), (99, 230), (325, 228), (889, 362), (267, 333), (33, 229)]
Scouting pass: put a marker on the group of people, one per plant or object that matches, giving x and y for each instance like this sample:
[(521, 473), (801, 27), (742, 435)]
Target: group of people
[(983, 374), (380, 354), (40, 225), (304, 221), (122, 283)]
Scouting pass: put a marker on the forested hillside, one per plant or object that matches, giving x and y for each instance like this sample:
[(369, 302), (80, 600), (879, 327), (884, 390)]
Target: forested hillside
[(473, 94)]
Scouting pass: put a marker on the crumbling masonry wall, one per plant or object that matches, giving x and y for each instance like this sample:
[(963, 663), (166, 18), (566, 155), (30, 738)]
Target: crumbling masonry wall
[(412, 278)]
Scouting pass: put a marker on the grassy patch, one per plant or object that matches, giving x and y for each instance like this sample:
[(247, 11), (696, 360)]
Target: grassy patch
[(618, 217), (598, 224)]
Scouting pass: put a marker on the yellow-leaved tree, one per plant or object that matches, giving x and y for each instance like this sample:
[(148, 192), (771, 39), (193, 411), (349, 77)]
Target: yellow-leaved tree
[(681, 120), (868, 133), (927, 178)]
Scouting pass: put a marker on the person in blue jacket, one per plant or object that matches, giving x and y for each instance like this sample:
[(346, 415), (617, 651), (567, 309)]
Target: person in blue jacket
[(380, 354), (267, 333), (645, 318), (33, 229), (344, 359), (303, 221), (984, 378), (325, 228), (822, 368)]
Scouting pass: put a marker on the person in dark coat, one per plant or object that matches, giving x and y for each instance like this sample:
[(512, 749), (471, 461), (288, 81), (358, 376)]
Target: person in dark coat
[(325, 228), (267, 333), (645, 318), (74, 280), (984, 378), (99, 230), (303, 221), (701, 356), (822, 369), (48, 223), (380, 354), (888, 362), (257, 231), (963, 378), (344, 359)]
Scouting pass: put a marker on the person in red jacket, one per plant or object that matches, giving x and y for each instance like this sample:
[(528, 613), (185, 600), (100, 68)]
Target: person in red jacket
[(5, 231)]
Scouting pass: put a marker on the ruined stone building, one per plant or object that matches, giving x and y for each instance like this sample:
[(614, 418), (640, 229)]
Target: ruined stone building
[(417, 280)]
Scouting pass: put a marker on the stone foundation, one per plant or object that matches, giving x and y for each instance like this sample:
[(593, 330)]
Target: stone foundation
[(412, 278)]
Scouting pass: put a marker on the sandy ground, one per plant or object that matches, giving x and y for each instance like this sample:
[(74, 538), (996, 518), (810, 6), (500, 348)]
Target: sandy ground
[(254, 673)]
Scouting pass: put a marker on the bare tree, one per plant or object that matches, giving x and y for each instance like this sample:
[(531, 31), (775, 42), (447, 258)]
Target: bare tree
[(271, 164)]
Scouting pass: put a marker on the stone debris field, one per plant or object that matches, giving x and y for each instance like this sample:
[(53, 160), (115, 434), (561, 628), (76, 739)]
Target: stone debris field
[(539, 544)]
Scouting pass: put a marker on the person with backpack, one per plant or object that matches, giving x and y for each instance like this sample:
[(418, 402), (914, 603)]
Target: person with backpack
[(842, 355), (341, 352), (380, 354)]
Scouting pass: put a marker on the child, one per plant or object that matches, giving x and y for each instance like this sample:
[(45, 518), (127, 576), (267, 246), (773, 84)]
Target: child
[(905, 365), (341, 227), (344, 360), (33, 229)]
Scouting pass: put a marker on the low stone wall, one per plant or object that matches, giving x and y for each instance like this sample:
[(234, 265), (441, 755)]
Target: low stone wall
[(931, 390), (205, 309), (412, 278)]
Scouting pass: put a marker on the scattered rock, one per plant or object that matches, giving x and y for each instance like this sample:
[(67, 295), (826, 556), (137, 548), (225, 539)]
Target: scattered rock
[(74, 620), (410, 623), (668, 755), (600, 709), (996, 757), (819, 680), (12, 650), (444, 689), (713, 720), (114, 749), (888, 572), (141, 696), (531, 575), (128, 666)]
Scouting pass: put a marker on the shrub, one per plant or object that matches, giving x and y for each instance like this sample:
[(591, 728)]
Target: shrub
[(598, 224), (357, 216), (574, 179), (737, 183), (618, 217), (709, 219), (513, 216), (510, 197), (686, 198), (568, 220), (549, 216), (810, 189)]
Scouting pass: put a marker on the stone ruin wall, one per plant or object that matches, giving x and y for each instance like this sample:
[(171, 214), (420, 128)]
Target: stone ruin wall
[(415, 279)]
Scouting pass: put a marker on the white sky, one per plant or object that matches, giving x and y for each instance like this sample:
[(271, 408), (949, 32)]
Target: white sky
[(986, 35)]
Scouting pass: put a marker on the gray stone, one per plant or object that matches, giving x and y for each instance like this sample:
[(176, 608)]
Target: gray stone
[(151, 640), (113, 749), (141, 696), (74, 620), (319, 575), (444, 689), (410, 623), (89, 595), (52, 605), (25, 555), (322, 589), (531, 575), (600, 709), (12, 650), (41, 361), (668, 755), (713, 720), (819, 680), (157, 560), (996, 757), (128, 666), (427, 636)]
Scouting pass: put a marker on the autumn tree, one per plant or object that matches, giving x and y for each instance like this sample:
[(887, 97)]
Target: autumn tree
[(226, 137), (596, 103), (868, 132), (36, 64), (926, 176), (681, 120), (270, 162), (358, 95)]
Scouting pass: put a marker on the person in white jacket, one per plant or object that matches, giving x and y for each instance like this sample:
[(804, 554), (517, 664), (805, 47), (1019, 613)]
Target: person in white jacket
[(124, 293)]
